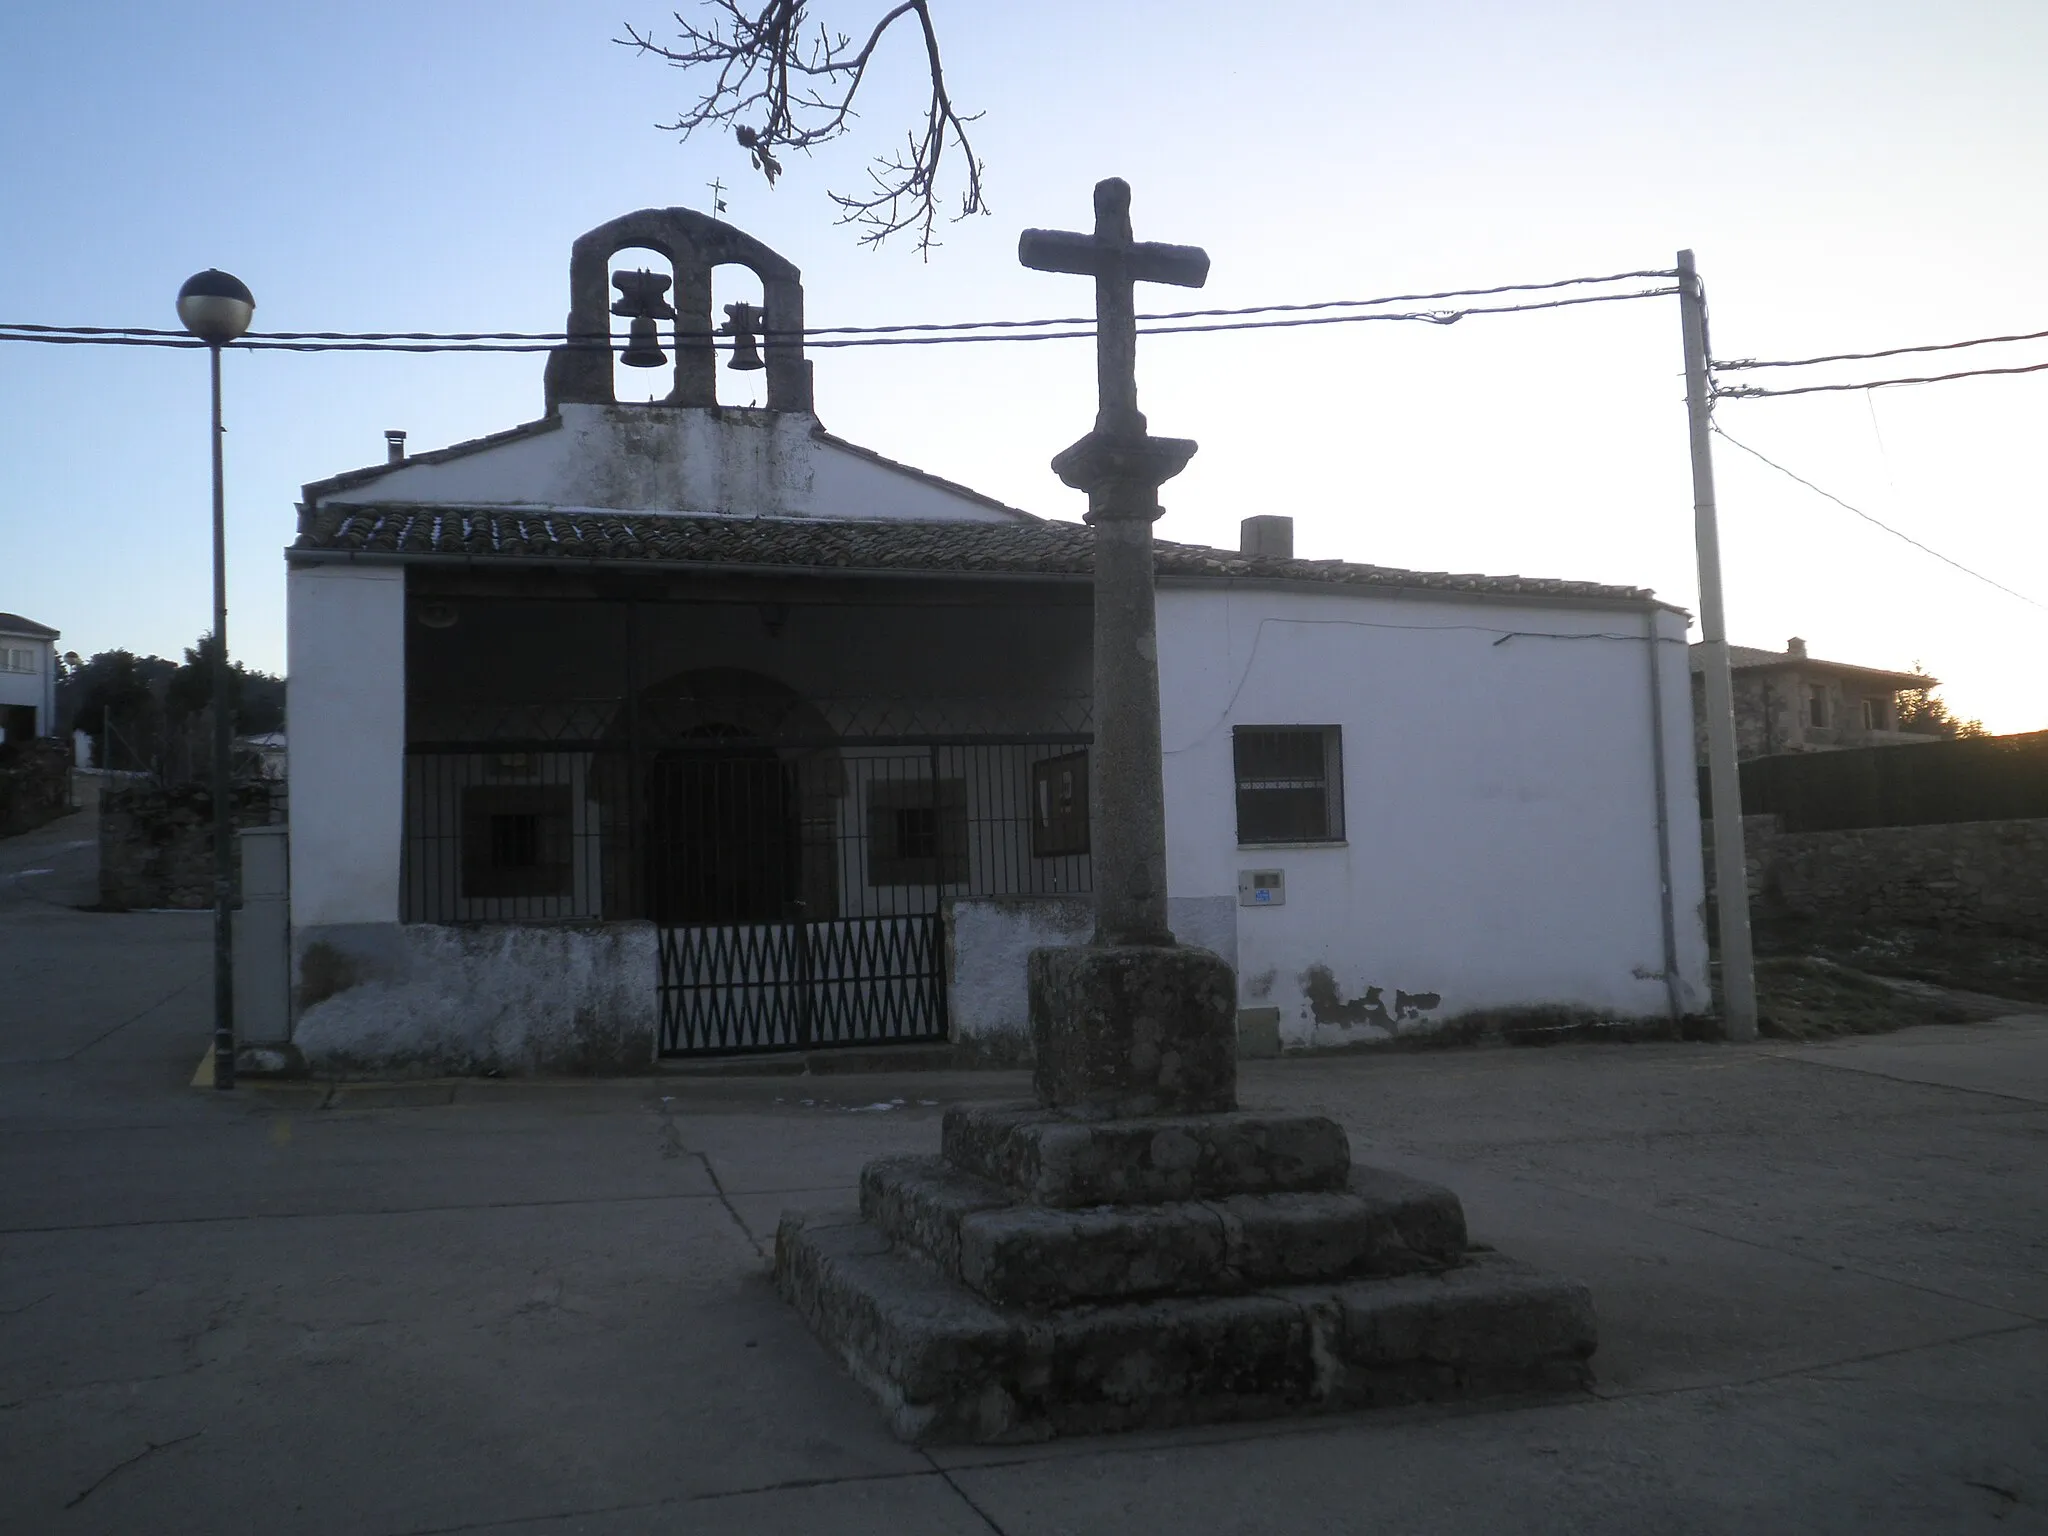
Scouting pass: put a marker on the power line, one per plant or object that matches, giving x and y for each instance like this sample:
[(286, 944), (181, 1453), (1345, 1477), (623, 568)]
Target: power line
[(265, 343), (1876, 522), (1863, 357), (1751, 392), (1048, 329)]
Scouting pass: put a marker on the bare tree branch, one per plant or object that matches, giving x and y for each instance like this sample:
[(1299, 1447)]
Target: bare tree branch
[(778, 91)]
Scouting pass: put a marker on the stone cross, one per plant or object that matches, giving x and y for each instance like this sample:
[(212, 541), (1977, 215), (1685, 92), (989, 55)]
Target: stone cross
[(1118, 264), (1121, 467)]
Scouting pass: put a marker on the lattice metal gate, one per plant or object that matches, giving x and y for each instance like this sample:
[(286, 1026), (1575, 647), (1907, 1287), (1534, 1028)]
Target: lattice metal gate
[(795, 986)]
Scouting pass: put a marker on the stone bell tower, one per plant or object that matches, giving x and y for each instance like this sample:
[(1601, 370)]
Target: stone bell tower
[(580, 373)]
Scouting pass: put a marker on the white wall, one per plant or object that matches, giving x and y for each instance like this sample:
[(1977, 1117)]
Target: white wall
[(1501, 820), (671, 459), (37, 688), (345, 699)]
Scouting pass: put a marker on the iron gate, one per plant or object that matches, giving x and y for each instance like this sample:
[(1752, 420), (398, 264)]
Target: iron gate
[(800, 985)]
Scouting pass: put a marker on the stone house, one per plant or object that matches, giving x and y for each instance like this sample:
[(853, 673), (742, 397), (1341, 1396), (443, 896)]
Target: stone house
[(1788, 701), (674, 728), (28, 678)]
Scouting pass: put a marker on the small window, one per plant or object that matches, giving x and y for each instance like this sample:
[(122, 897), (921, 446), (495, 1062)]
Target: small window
[(1873, 714), (1817, 706), (18, 660), (1059, 806), (917, 832), (1290, 783), (515, 841)]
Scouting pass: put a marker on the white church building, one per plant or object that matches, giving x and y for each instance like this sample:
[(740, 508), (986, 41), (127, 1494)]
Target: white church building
[(677, 729)]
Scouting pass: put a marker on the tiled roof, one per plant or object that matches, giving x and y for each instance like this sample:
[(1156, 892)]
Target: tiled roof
[(1024, 549), (15, 624), (1745, 657)]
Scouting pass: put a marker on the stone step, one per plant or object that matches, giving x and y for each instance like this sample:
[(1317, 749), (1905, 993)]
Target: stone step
[(946, 1365), (1016, 1254), (1060, 1160)]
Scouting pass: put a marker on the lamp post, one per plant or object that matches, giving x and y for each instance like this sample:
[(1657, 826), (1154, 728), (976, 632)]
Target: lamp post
[(217, 308)]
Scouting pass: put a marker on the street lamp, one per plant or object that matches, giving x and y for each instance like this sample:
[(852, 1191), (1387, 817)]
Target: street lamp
[(217, 308)]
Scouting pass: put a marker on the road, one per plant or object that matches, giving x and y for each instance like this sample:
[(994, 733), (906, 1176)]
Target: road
[(1822, 1276)]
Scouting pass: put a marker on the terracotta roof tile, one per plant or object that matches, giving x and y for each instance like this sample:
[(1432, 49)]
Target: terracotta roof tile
[(1033, 548)]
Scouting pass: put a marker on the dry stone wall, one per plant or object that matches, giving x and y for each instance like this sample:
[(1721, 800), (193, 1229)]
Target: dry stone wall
[(156, 843), (35, 783), (1990, 876)]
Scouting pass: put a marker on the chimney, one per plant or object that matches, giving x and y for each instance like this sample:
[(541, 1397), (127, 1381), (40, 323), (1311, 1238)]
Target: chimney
[(1795, 647), (1271, 537), (394, 446)]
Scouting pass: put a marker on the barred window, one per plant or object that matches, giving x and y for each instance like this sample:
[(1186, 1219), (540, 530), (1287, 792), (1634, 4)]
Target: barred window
[(1290, 783), (917, 832), (515, 841)]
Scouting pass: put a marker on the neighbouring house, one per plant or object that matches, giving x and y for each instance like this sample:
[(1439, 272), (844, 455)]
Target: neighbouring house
[(262, 754), (1788, 701), (673, 728), (28, 678)]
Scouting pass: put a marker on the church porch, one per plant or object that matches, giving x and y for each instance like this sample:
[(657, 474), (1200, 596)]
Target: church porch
[(677, 813)]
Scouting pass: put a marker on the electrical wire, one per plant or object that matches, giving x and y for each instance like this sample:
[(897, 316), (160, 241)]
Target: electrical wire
[(1863, 357), (1876, 522), (1751, 392), (844, 336)]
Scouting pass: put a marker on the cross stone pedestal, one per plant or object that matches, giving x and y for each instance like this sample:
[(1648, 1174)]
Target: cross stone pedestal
[(1132, 1250), (1061, 1270)]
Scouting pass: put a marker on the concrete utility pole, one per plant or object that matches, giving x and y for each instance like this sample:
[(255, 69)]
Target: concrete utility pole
[(1731, 865)]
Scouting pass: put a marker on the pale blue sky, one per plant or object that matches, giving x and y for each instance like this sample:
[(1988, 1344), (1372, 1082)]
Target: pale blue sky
[(1851, 175)]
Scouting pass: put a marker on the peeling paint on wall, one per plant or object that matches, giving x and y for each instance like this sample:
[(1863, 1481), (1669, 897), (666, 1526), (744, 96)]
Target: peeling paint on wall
[(1329, 1006)]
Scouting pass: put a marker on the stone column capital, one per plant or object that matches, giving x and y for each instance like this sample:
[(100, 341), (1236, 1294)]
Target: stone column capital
[(1120, 472)]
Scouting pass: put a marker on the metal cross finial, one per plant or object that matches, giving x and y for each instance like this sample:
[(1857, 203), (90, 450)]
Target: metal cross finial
[(1118, 263), (717, 194)]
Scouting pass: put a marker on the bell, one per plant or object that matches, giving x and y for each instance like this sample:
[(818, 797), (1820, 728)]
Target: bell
[(746, 357), (642, 350)]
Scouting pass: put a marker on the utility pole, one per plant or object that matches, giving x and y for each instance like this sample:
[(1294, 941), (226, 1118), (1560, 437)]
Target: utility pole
[(1731, 866)]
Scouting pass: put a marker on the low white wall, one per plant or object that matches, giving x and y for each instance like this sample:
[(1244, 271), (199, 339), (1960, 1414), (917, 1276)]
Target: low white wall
[(1501, 846), (673, 459), (345, 696), (487, 998), (989, 939)]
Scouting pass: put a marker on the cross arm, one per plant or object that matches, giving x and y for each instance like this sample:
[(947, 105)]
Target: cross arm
[(1059, 250)]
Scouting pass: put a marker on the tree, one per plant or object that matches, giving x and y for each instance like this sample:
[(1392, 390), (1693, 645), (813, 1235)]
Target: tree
[(257, 698), (779, 88), (1921, 713), (145, 712)]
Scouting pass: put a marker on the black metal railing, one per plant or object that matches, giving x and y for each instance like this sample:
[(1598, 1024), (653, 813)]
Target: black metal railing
[(799, 884)]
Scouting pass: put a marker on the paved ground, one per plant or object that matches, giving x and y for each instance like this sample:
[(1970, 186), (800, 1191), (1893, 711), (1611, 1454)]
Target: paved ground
[(1822, 1274)]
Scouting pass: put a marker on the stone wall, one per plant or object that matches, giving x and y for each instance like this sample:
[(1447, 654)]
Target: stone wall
[(156, 842), (35, 783), (1991, 876)]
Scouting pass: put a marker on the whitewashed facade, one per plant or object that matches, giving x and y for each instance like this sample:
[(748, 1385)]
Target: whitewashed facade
[(534, 676)]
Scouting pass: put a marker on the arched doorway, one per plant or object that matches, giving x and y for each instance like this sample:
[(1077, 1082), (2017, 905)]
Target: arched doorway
[(724, 835)]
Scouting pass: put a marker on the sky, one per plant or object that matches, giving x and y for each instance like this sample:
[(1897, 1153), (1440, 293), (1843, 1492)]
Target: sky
[(1851, 177)]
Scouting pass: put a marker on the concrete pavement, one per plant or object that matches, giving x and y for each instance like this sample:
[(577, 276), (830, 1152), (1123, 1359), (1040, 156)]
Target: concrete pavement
[(1822, 1273)]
